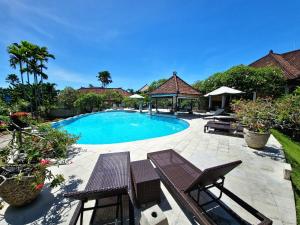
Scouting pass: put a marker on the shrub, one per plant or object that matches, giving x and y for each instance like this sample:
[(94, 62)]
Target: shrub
[(112, 96), (288, 113), (33, 152), (258, 116), (87, 102), (266, 81), (4, 121), (67, 97), (130, 102), (4, 109)]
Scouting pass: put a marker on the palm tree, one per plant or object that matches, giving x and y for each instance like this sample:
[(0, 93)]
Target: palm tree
[(43, 56), (28, 49), (105, 78), (12, 79), (16, 57)]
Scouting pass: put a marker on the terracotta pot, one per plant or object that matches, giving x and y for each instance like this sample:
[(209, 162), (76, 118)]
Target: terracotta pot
[(18, 192), (256, 140)]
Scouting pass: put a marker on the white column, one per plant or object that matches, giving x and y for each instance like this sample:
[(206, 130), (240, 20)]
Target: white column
[(150, 106), (223, 101), (175, 105), (254, 95), (209, 102)]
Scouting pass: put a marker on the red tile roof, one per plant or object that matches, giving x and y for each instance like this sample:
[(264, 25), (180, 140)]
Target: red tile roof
[(289, 62), (175, 85), (100, 90)]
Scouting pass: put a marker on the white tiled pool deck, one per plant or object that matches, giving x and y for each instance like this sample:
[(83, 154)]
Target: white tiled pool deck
[(259, 180)]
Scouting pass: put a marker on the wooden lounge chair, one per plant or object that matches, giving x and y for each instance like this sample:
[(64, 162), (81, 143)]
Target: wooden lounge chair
[(110, 177), (188, 184), (216, 113), (223, 126)]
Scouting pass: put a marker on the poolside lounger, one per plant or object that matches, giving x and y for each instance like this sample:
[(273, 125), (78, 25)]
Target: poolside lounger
[(223, 126), (110, 177), (216, 113), (188, 184)]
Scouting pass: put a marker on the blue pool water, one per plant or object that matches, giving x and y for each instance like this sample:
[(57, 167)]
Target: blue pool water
[(116, 127)]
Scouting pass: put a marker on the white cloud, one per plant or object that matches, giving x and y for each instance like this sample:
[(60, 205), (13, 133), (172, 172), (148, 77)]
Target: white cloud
[(61, 75)]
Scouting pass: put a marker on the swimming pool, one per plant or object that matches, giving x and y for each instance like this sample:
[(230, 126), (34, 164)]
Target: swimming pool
[(120, 126)]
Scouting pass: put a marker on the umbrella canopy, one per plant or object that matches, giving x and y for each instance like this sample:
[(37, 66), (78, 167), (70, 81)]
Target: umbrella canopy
[(136, 96), (223, 90)]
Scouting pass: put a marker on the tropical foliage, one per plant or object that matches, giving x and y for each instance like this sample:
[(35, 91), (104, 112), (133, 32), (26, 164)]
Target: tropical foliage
[(29, 59), (288, 113), (266, 81), (263, 114), (30, 153), (155, 84), (88, 102), (257, 116), (67, 97)]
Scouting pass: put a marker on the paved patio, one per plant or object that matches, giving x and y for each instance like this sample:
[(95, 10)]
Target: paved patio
[(259, 180)]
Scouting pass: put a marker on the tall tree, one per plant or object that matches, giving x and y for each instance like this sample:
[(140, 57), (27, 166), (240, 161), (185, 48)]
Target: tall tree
[(43, 56), (105, 78), (16, 57), (12, 79), (31, 59)]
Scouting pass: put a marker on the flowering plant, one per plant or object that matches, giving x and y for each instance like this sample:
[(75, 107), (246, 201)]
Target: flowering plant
[(258, 116), (31, 154)]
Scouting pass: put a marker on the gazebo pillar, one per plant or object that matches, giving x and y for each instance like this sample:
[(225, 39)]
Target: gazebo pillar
[(223, 101), (254, 95), (156, 109), (150, 106), (175, 104), (209, 102)]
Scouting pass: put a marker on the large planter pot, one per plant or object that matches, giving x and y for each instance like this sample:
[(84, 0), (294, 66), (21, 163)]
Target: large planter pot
[(18, 192), (256, 140)]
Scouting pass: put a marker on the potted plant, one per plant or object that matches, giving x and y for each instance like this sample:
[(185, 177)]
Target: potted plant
[(258, 117), (25, 161)]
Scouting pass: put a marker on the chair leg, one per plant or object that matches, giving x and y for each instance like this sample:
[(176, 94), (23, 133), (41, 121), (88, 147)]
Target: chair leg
[(121, 209), (94, 211), (81, 213), (118, 205), (131, 212)]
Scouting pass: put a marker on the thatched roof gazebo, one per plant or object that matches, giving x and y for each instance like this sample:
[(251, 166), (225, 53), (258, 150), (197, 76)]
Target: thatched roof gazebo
[(174, 88)]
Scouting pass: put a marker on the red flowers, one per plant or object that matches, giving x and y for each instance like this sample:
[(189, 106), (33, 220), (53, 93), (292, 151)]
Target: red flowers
[(39, 186), (19, 114), (44, 162)]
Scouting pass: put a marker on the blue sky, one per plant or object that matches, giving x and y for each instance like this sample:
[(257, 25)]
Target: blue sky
[(141, 41)]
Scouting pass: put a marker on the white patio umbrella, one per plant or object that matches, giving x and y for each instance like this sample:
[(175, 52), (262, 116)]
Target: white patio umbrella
[(136, 96), (222, 91)]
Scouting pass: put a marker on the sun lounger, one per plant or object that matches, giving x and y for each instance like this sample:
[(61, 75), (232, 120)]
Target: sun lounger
[(110, 177), (223, 126), (188, 184), (216, 113)]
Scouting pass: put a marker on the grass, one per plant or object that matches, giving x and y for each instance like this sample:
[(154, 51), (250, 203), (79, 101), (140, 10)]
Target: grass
[(292, 153)]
